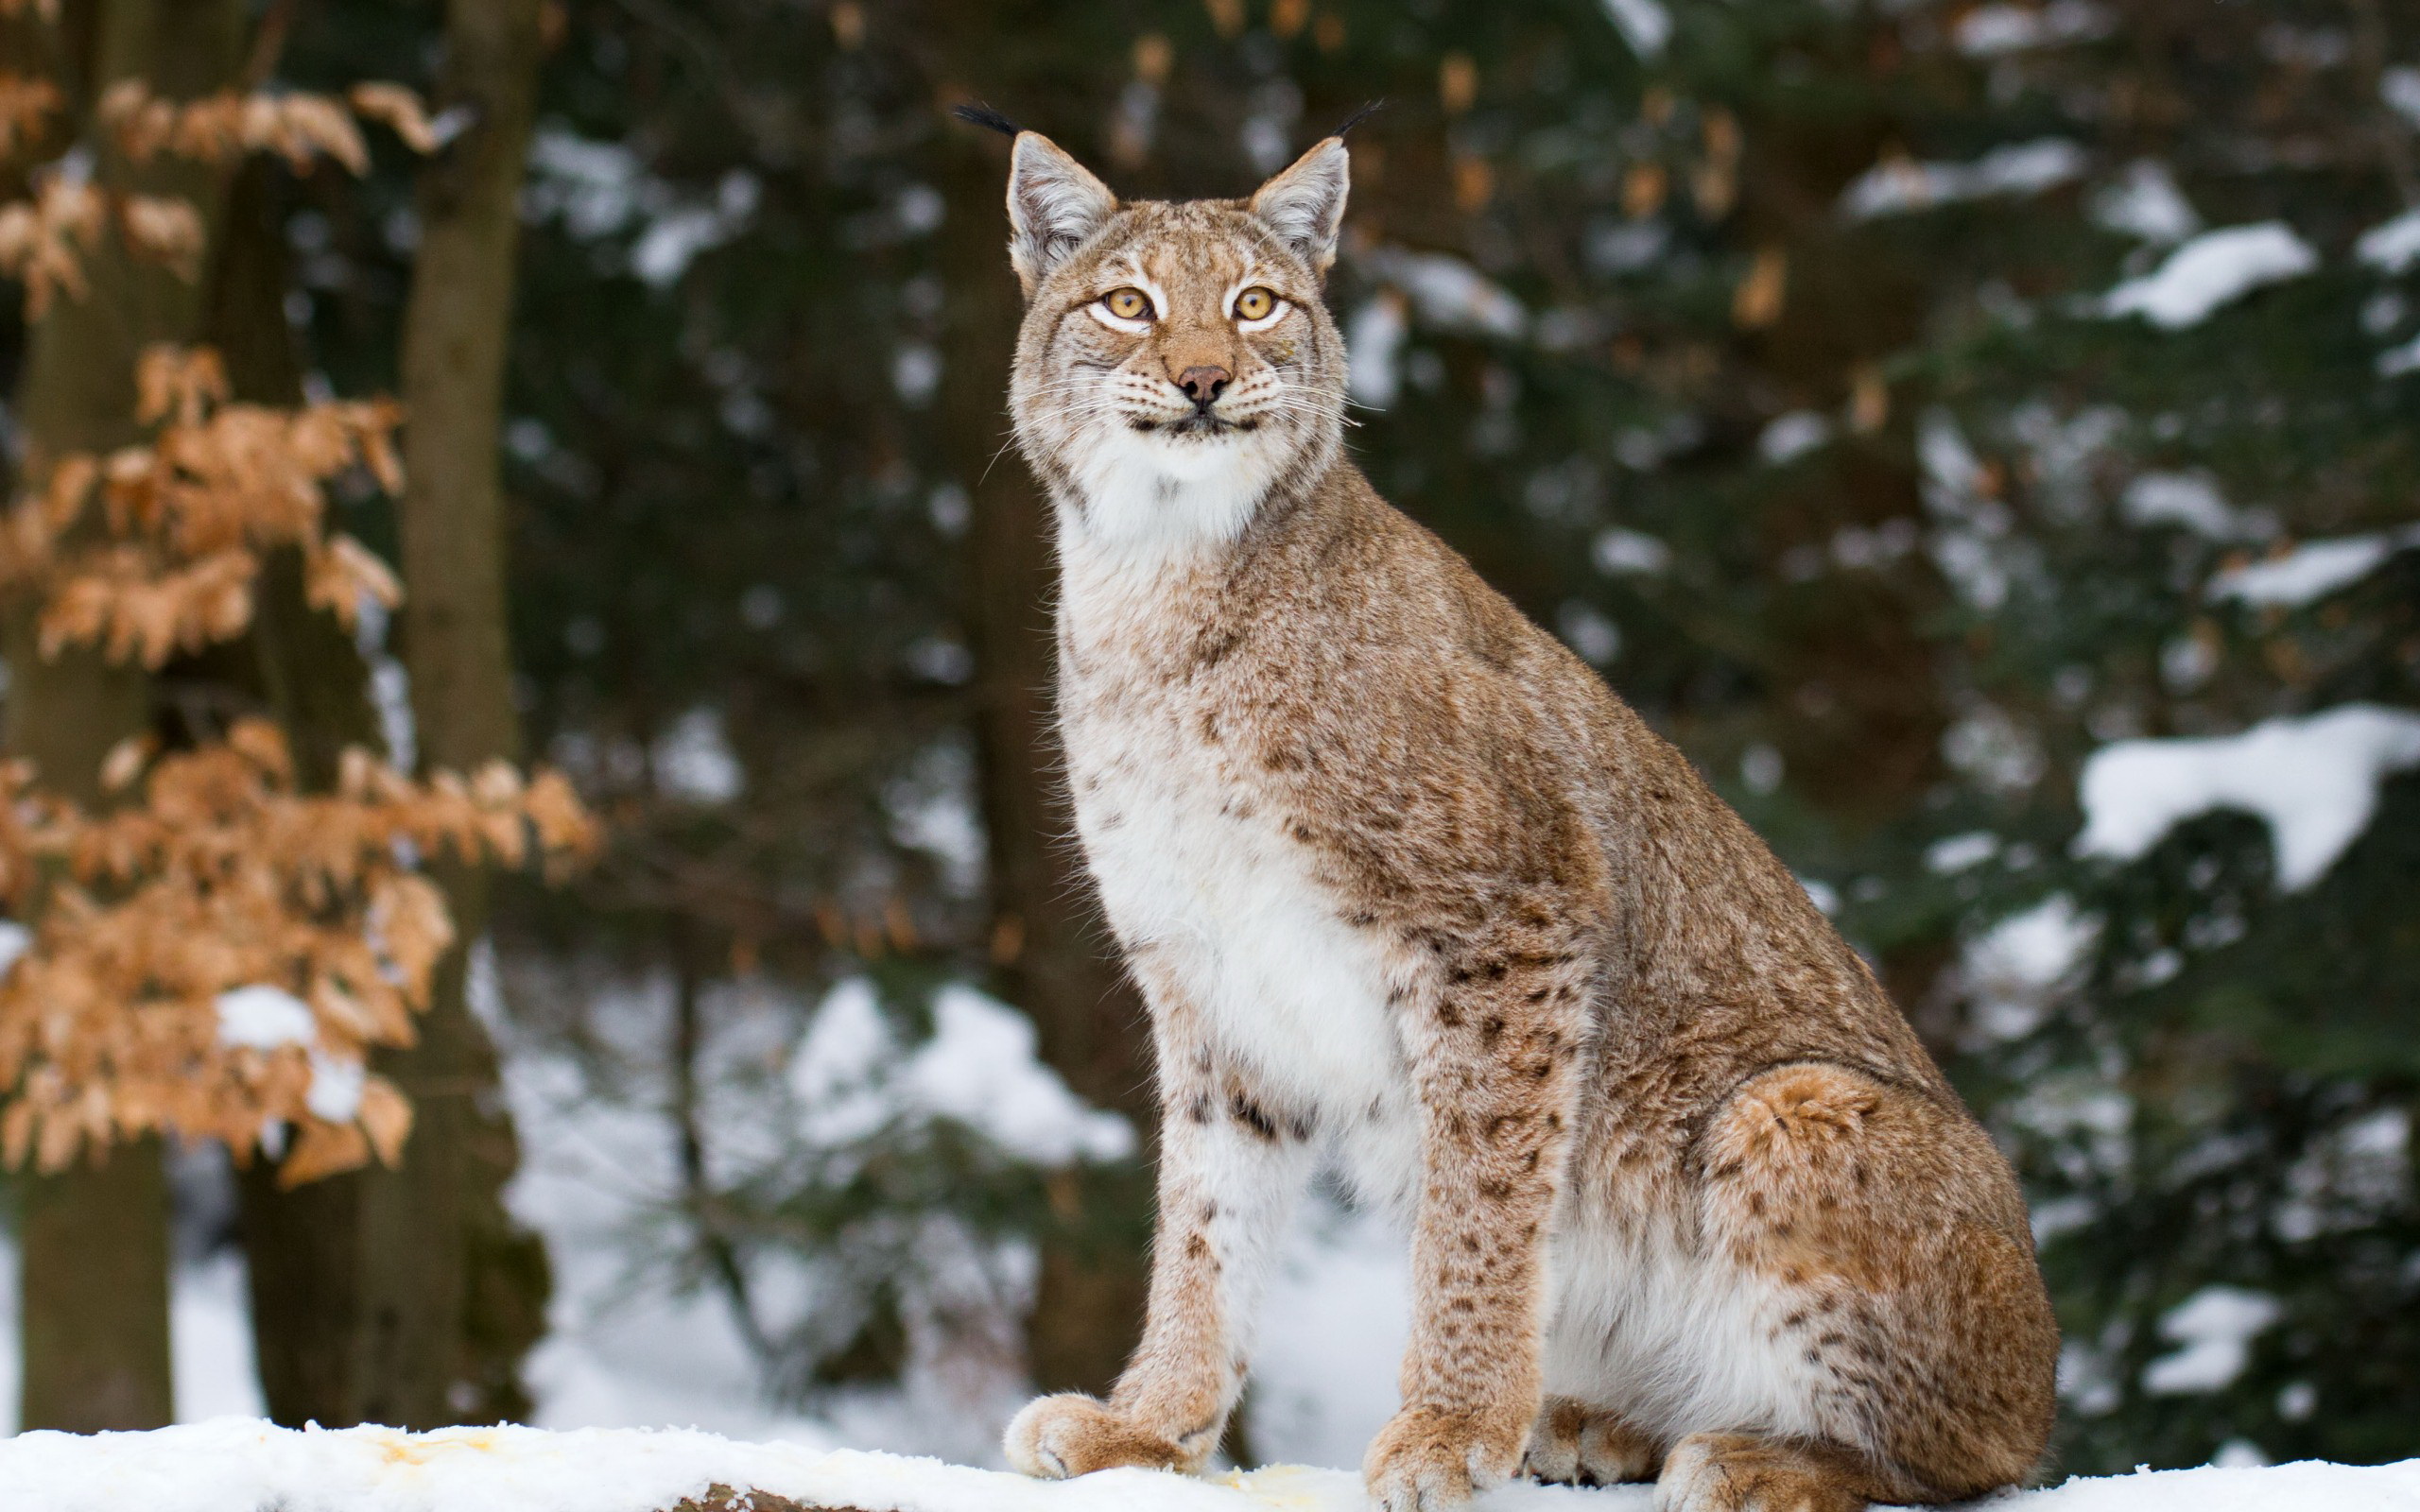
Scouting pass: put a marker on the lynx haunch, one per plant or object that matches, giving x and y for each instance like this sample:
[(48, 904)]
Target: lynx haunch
[(1407, 888)]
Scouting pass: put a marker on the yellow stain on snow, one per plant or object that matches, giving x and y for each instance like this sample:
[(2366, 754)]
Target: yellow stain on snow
[(1290, 1487), (395, 1447)]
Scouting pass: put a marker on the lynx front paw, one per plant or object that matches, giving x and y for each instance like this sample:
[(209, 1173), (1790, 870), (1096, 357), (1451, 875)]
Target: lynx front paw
[(1058, 1437), (1575, 1443), (1430, 1460)]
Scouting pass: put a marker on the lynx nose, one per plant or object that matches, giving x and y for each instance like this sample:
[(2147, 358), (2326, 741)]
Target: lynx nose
[(1203, 385)]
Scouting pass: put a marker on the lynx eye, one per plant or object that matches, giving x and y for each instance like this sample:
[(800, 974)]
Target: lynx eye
[(1127, 304), (1255, 303)]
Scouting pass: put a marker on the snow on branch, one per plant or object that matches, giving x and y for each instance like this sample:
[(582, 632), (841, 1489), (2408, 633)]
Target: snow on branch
[(2314, 779)]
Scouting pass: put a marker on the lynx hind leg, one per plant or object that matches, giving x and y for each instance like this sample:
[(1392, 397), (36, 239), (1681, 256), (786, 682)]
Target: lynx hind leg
[(1912, 1314), (1742, 1473), (1575, 1443)]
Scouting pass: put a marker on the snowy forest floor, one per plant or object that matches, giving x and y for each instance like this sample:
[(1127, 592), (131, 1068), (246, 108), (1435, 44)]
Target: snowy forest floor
[(633, 1342), (234, 1465)]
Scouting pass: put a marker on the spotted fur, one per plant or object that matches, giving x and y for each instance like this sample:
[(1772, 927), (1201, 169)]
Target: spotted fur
[(1407, 887)]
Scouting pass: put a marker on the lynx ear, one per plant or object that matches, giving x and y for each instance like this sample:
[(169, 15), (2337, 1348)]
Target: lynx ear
[(1053, 205), (1305, 205)]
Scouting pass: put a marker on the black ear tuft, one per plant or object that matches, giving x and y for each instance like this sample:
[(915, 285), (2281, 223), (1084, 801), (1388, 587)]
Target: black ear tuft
[(983, 116), (1358, 116)]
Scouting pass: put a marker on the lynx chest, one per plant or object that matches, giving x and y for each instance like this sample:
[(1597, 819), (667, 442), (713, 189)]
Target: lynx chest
[(1191, 848)]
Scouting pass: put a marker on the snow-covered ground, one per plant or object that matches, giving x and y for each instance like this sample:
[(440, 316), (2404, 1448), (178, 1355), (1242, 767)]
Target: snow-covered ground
[(237, 1466)]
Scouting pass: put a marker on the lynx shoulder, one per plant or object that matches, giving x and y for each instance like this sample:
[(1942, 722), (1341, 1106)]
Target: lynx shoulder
[(1409, 890)]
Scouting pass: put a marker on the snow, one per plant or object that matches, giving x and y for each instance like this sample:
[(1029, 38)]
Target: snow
[(601, 188), (2393, 246), (1969, 540), (237, 1463), (2396, 361), (1332, 1330), (2314, 780), (979, 1068), (2023, 168), (1792, 435), (2401, 93), (1374, 339), (2399, 88), (2188, 499), (622, 1349), (2210, 270), (263, 1018), (2012, 968), (2215, 1327), (1630, 551), (336, 1088), (2312, 571), (1644, 24), (1448, 293), (982, 1068), (1960, 852), (2144, 202), (210, 1340), (1993, 30), (693, 761)]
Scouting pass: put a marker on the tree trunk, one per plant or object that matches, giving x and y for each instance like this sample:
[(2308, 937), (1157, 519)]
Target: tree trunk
[(1053, 955), (452, 1293), (301, 1247), (94, 1296)]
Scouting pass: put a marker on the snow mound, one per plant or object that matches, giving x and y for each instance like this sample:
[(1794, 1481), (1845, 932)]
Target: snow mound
[(239, 1465)]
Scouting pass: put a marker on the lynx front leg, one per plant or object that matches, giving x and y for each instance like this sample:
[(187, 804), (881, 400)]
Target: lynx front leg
[(1232, 1167), (1496, 1067)]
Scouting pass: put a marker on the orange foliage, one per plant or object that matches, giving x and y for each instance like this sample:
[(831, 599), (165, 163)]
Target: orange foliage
[(25, 104), (34, 236), (224, 878), (188, 516), (298, 126), (217, 876), (217, 955)]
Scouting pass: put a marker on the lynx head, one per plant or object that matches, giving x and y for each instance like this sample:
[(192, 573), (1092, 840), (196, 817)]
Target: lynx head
[(1176, 364)]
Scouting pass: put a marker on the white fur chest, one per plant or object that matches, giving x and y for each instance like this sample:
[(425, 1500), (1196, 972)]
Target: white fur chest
[(1190, 850)]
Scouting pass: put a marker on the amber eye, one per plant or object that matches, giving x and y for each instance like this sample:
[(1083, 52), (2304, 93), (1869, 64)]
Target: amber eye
[(1255, 303), (1127, 304)]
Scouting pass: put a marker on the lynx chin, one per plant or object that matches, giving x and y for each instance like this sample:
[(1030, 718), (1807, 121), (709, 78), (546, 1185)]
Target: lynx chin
[(1409, 890)]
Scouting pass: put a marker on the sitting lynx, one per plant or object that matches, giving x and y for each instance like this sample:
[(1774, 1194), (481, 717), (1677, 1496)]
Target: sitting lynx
[(1406, 887)]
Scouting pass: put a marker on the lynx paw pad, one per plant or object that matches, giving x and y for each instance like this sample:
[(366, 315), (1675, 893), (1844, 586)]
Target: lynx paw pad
[(1055, 1437)]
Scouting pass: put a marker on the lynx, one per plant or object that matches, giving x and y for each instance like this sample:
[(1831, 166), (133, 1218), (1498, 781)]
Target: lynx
[(1407, 888)]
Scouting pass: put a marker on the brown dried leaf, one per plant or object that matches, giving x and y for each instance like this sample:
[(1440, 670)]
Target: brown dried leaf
[(26, 106), (314, 123), (339, 576), (323, 1149), (387, 1117), (165, 231), (400, 109)]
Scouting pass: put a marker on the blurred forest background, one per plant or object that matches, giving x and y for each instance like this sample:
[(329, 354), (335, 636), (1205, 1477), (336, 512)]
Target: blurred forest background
[(1982, 435)]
